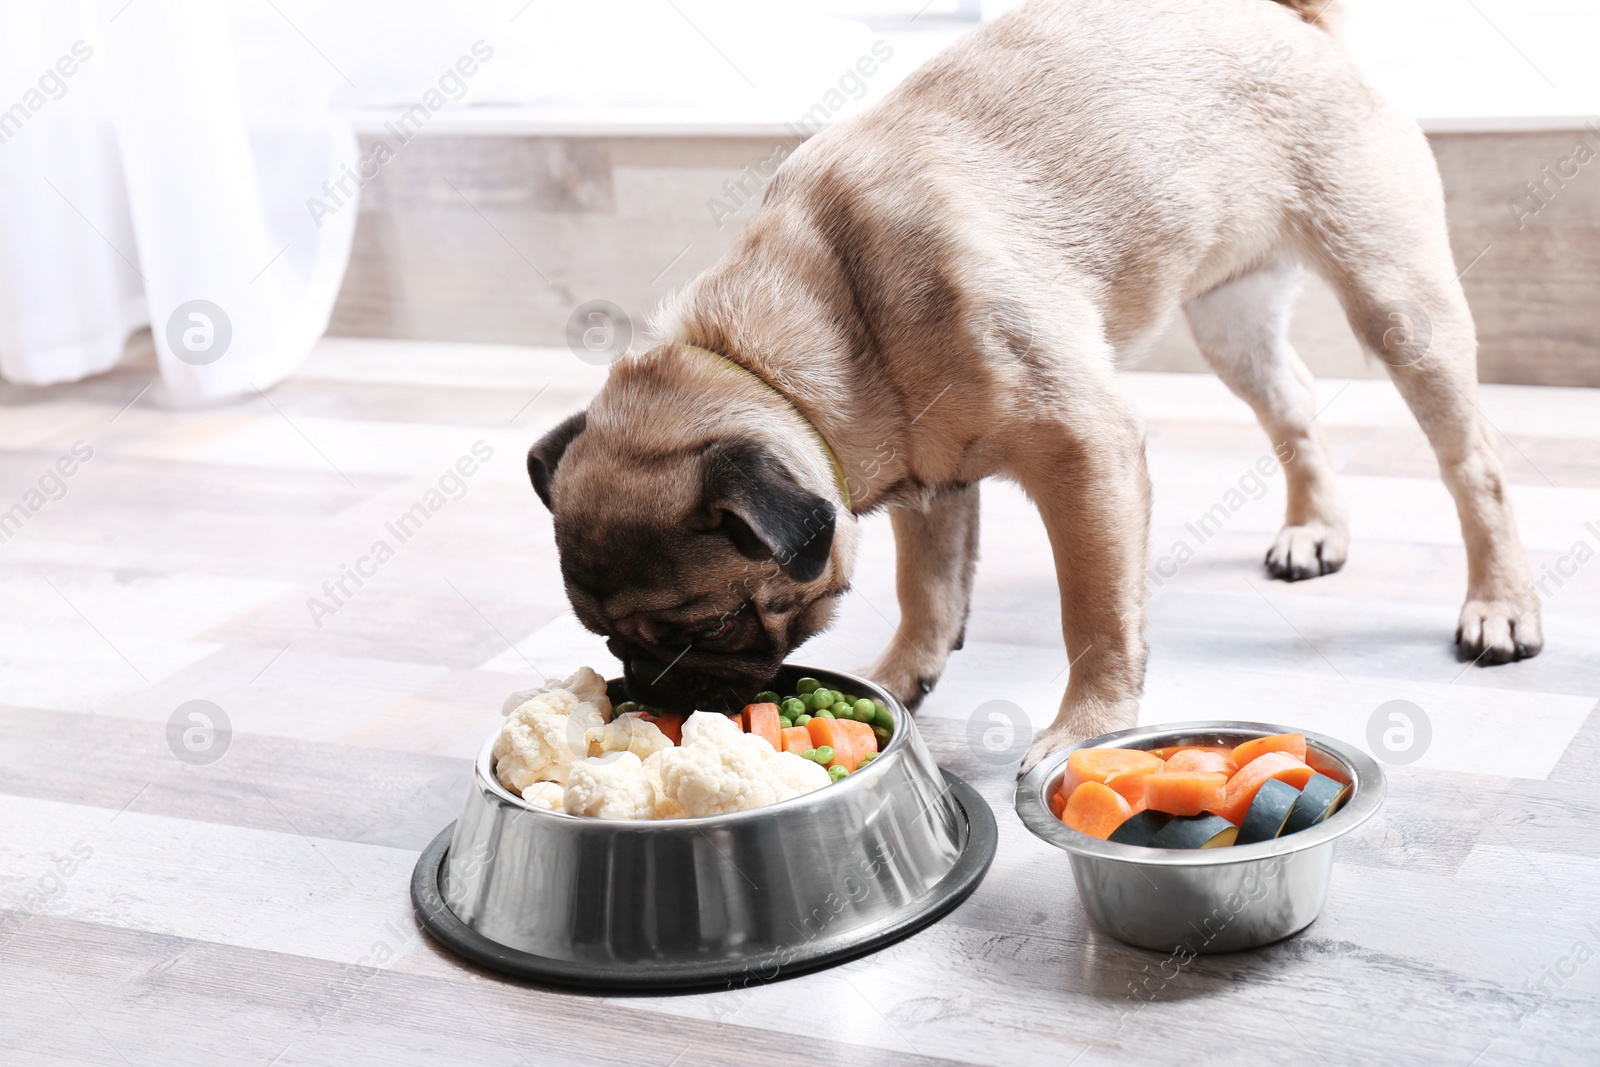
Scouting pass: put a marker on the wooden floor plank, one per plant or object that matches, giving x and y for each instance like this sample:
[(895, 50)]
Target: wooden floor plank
[(82, 991), (225, 909)]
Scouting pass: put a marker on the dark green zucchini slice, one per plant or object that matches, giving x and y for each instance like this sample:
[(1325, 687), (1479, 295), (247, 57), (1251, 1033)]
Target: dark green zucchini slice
[(1196, 831), (1268, 813), (1321, 797), (1139, 828)]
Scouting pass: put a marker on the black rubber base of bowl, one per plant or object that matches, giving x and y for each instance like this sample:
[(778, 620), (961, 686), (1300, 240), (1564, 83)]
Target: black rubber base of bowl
[(648, 976)]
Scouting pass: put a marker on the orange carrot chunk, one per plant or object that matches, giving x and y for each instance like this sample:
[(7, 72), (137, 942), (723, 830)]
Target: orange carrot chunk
[(1131, 785), (862, 742), (670, 723), (1095, 809), (831, 732), (1168, 751), (1185, 792), (1247, 780), (1201, 759), (797, 739), (1103, 764), (762, 720), (1293, 744), (1058, 803)]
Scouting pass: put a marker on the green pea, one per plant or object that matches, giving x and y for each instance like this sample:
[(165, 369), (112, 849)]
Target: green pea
[(882, 717), (864, 760), (810, 754), (624, 708), (793, 708), (863, 711), (824, 754), (846, 697), (841, 710), (766, 696), (838, 773), (823, 714), (881, 734), (784, 723), (801, 720), (807, 685), (821, 698)]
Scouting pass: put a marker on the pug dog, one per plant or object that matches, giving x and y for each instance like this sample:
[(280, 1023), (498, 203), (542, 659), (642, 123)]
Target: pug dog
[(935, 292)]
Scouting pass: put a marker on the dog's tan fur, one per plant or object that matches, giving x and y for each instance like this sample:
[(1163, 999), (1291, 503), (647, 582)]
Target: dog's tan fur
[(941, 285)]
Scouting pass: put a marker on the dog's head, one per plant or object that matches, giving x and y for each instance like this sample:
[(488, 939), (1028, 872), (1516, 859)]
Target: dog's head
[(687, 537)]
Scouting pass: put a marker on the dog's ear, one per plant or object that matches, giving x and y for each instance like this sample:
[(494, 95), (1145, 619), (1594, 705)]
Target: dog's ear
[(753, 498), (546, 453)]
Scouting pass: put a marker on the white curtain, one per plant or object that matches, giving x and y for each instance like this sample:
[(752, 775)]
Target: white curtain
[(150, 176), (159, 159)]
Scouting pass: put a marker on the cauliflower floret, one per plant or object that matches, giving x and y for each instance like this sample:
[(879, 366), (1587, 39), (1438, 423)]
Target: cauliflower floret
[(719, 769), (585, 683), (610, 787), (799, 775), (627, 733), (666, 808), (542, 738), (543, 795)]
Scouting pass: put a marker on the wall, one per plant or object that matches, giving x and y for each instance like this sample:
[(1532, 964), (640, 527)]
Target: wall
[(500, 238)]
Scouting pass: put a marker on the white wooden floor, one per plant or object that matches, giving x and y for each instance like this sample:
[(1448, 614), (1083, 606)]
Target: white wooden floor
[(253, 910)]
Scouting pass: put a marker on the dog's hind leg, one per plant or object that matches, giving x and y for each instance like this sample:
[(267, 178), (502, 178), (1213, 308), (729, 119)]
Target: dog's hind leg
[(1242, 328), (936, 551), (1375, 228)]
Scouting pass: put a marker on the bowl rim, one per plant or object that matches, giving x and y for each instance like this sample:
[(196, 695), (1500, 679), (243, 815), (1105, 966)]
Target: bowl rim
[(483, 767), (1368, 787)]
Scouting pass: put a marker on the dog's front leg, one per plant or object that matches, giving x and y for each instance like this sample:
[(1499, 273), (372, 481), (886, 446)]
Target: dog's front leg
[(936, 548), (1086, 473)]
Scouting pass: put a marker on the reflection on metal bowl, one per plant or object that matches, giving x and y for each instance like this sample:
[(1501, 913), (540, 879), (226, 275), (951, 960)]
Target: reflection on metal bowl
[(680, 903), (1212, 900)]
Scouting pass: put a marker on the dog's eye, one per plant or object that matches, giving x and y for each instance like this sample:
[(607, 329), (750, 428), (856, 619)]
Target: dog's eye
[(714, 633)]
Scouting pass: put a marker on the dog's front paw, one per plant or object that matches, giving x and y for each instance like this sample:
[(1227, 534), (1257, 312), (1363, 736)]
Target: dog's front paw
[(1497, 631), (907, 673), (1047, 741), (1308, 551), (1089, 718)]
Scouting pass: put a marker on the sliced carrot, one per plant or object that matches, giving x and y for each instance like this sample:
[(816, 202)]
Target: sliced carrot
[(1130, 784), (1058, 803), (797, 739), (1185, 792), (1247, 780), (1169, 751), (1103, 764), (862, 742), (1201, 759), (1095, 809), (762, 720), (831, 732), (1293, 744), (669, 723)]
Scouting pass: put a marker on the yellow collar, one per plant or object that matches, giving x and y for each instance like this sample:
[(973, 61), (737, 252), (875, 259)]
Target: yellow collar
[(838, 472)]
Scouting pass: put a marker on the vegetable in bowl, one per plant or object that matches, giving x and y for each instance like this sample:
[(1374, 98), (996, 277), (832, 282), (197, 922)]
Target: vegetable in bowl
[(566, 748), (1196, 796)]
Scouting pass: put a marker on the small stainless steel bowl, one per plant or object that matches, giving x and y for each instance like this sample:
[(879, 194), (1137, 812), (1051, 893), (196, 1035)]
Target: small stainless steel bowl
[(680, 903), (1212, 900)]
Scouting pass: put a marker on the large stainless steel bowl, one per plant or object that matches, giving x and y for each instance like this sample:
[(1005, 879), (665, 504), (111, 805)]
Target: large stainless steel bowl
[(725, 900), (1215, 900)]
